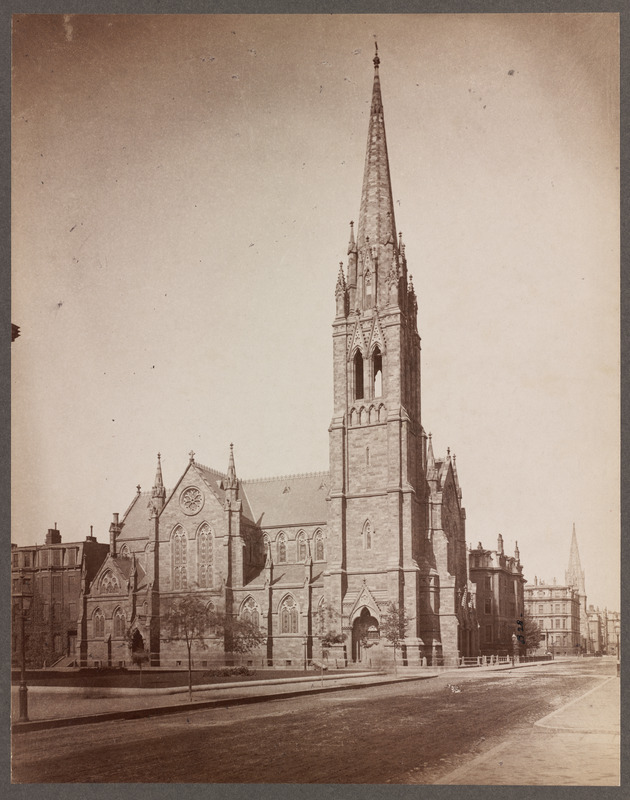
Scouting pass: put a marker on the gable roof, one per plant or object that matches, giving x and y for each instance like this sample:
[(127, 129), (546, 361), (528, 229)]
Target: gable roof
[(286, 500), (136, 523)]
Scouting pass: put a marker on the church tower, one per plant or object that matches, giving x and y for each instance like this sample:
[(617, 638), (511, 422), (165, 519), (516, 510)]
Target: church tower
[(377, 447), (574, 577)]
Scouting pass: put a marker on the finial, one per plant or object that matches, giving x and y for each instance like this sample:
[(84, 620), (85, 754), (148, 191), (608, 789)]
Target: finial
[(138, 488), (377, 60), (448, 452), (430, 435)]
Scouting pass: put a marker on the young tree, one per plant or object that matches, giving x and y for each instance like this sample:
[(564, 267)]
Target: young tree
[(187, 619), (327, 621), (394, 624), (239, 635), (528, 632), (139, 656)]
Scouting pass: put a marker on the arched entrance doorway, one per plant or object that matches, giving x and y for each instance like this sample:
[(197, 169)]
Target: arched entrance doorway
[(365, 632), (137, 643)]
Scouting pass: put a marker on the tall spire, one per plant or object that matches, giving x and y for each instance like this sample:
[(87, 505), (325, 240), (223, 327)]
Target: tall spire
[(376, 217), (574, 576)]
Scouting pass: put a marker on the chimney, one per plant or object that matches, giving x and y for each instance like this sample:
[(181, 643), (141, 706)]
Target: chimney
[(91, 537), (500, 545), (114, 530), (53, 536)]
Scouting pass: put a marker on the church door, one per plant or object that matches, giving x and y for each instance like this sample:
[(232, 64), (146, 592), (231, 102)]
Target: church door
[(365, 633)]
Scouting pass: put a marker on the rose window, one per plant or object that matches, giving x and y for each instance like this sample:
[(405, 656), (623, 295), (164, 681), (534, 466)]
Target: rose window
[(191, 500)]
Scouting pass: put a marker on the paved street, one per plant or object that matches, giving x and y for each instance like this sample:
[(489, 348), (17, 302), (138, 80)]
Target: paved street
[(418, 732)]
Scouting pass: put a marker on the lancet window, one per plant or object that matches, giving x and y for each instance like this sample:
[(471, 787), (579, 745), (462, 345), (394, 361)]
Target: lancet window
[(288, 616), (179, 546), (99, 624), (205, 556)]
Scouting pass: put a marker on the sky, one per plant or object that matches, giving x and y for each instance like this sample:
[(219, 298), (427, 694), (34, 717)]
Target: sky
[(182, 188)]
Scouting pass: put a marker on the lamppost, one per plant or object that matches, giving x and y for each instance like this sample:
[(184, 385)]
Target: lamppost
[(618, 653), (25, 602)]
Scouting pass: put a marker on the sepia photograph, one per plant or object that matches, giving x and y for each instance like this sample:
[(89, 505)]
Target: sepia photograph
[(315, 399)]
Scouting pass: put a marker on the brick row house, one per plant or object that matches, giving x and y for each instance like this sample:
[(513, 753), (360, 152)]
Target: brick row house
[(500, 596)]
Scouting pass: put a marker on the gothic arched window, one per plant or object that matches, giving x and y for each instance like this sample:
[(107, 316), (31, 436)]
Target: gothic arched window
[(282, 549), (124, 551), (288, 616), (204, 556), (367, 535), (179, 546), (119, 623), (99, 624), (377, 372), (301, 547), (249, 612), (319, 546), (358, 375)]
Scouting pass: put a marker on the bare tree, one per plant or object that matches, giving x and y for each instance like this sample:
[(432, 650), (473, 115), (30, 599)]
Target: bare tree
[(187, 619), (394, 624), (327, 621), (239, 635)]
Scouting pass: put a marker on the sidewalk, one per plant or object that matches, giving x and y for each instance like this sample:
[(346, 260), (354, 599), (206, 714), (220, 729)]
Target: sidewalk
[(575, 745), (51, 707)]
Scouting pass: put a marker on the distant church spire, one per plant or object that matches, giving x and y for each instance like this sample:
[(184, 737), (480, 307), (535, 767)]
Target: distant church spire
[(574, 576), (376, 217)]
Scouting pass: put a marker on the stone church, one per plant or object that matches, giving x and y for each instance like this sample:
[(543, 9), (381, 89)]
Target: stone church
[(384, 525)]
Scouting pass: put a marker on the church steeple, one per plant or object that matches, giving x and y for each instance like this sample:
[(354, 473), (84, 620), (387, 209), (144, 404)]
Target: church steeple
[(376, 217), (574, 576)]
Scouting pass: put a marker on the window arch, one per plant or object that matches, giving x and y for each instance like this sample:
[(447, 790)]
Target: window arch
[(288, 616), (179, 547), (249, 612), (319, 546), (109, 583), (377, 372), (205, 556), (282, 549), (120, 623), (358, 375), (367, 535), (124, 551), (302, 550), (99, 624)]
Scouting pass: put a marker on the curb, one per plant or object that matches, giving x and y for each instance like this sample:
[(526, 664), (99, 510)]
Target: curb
[(139, 713)]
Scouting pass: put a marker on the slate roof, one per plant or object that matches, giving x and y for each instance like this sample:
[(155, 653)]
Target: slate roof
[(214, 479), (136, 523), (286, 500)]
